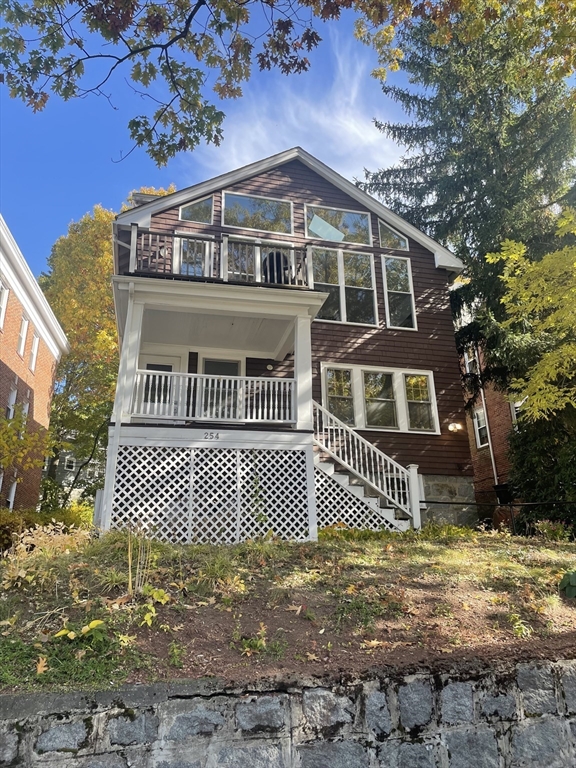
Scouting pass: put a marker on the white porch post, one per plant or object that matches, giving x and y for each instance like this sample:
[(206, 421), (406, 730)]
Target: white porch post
[(122, 402), (303, 372), (414, 487)]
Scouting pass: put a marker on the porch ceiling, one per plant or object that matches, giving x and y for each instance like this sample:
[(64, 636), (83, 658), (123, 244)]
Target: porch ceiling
[(216, 331)]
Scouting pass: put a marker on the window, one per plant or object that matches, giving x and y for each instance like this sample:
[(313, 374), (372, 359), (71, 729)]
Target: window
[(199, 212), (339, 391), (340, 226), (11, 403), (384, 399), (70, 464), (22, 336), (260, 213), (400, 309), (419, 402), (389, 238), (480, 427), (34, 353), (379, 400), (348, 279), (4, 291), (471, 361), (11, 495)]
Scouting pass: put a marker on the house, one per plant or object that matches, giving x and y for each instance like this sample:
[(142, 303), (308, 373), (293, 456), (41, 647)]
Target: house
[(31, 344), (287, 362)]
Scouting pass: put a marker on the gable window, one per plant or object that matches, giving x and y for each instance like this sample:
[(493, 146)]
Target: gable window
[(22, 336), (199, 212), (400, 309), (4, 292), (480, 427), (382, 399), (349, 280), (389, 238), (419, 402), (34, 353), (262, 213), (338, 225)]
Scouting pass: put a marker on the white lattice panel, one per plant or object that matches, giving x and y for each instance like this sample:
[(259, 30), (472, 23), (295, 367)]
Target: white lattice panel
[(152, 491), (274, 494), (215, 495), (335, 504)]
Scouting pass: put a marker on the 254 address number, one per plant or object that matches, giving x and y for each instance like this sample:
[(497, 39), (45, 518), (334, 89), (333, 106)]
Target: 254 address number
[(211, 436)]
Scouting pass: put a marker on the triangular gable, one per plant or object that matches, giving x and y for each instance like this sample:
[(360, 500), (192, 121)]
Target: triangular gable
[(143, 214)]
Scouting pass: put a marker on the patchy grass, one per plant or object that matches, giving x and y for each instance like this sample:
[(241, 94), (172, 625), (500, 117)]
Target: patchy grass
[(79, 612)]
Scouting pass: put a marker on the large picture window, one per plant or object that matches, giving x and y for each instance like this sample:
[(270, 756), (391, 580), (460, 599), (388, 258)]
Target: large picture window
[(387, 399), (400, 309), (261, 213), (348, 279), (338, 225)]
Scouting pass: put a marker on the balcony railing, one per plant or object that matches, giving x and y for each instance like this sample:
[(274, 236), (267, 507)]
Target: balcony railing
[(231, 259), (197, 397)]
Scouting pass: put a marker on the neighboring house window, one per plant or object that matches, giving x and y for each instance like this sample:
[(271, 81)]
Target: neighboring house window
[(261, 213), (22, 336), (70, 464), (1, 479), (4, 292), (11, 495), (392, 399), (400, 308), (34, 353), (25, 409), (471, 361), (199, 212), (420, 416), (11, 403), (348, 278), (338, 225), (389, 238), (480, 427)]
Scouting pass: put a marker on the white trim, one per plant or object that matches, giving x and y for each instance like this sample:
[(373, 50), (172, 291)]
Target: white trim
[(399, 394), (413, 298), (342, 285), (343, 210), (19, 278), (22, 336), (4, 295), (142, 214), (193, 202), (394, 231), (258, 197)]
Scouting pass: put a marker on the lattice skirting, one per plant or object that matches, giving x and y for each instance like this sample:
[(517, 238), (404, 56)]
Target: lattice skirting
[(335, 504), (211, 495)]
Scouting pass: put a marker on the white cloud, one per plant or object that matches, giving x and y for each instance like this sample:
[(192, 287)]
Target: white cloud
[(328, 112)]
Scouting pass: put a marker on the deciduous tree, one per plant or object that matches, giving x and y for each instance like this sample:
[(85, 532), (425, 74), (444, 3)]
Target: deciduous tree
[(186, 58)]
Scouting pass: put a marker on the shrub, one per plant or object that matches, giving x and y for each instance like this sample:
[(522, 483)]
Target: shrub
[(12, 523)]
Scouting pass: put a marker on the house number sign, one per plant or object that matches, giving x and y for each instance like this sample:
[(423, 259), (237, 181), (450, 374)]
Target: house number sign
[(211, 436)]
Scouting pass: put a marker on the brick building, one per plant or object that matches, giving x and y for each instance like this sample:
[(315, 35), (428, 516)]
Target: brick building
[(31, 344)]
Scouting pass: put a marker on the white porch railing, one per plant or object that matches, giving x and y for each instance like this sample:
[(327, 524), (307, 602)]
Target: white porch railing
[(198, 397), (390, 479)]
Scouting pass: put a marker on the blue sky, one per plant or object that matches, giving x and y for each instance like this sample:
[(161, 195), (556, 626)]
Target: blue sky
[(57, 164)]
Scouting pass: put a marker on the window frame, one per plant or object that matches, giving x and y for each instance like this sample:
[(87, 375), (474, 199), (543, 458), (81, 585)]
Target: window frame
[(257, 197), (412, 295), (4, 296), (11, 496), (342, 286), (343, 210), (395, 231), (11, 403), (33, 359), (193, 202), (478, 427), (23, 336), (401, 401)]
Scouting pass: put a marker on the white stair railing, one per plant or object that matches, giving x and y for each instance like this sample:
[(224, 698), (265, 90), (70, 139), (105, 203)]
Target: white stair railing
[(390, 479)]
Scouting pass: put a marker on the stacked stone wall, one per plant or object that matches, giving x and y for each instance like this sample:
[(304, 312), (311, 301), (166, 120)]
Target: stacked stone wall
[(522, 717)]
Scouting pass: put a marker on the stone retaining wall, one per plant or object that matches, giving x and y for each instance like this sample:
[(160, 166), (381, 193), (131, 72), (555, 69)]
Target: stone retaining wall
[(518, 717)]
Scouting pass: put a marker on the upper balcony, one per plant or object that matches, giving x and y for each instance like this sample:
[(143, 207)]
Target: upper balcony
[(228, 258)]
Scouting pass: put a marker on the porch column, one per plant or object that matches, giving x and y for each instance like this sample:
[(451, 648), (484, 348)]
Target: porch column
[(128, 362), (303, 372), (414, 487)]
